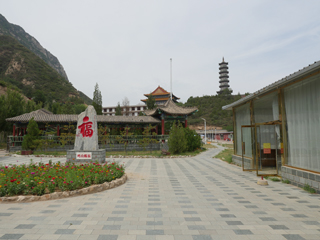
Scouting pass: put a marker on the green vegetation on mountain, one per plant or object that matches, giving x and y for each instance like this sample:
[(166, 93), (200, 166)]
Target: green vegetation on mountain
[(210, 108), (85, 98), (22, 68), (31, 43)]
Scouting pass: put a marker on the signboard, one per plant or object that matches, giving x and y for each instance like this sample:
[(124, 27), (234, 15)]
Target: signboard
[(266, 148), (84, 155)]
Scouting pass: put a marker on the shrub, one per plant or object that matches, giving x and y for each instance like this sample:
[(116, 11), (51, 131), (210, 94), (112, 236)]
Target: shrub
[(177, 141), (31, 140), (193, 139)]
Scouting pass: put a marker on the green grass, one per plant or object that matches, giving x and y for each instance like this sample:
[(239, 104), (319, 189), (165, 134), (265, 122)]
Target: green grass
[(209, 146), (275, 179), (286, 181), (226, 145), (309, 189), (225, 155)]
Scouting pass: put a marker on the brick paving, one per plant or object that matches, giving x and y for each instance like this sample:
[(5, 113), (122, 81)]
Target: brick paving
[(198, 198)]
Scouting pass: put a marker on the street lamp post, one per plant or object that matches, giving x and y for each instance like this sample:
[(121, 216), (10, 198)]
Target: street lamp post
[(215, 134), (205, 131)]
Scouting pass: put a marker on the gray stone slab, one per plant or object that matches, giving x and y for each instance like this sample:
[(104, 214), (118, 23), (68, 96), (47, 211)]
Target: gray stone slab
[(242, 232), (154, 232), (107, 237), (11, 236), (64, 231), (293, 237)]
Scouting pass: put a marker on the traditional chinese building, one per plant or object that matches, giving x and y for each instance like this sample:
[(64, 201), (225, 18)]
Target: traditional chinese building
[(47, 120), (170, 112), (161, 96)]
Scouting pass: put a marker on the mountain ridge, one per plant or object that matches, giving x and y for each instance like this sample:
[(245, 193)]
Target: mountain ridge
[(16, 31)]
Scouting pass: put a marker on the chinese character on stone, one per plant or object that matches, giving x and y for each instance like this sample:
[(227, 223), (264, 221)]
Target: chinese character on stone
[(86, 128)]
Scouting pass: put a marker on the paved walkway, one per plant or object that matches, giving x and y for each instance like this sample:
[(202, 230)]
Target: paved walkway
[(197, 198)]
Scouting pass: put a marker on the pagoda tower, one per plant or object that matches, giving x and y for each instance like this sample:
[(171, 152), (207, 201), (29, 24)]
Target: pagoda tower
[(224, 77)]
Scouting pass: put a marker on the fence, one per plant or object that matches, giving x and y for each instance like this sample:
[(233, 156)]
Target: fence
[(110, 143)]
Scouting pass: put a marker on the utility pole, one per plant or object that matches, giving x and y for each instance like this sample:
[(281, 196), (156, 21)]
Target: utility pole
[(171, 78), (205, 131)]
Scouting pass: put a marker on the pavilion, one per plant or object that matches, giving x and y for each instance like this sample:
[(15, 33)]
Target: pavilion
[(171, 111)]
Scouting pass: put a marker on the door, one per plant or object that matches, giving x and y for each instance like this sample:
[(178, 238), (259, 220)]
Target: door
[(248, 148), (267, 149)]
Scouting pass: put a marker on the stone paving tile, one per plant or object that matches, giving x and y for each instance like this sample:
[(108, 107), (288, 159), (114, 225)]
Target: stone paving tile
[(172, 199)]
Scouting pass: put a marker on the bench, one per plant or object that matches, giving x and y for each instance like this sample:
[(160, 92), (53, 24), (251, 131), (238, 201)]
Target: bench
[(165, 152)]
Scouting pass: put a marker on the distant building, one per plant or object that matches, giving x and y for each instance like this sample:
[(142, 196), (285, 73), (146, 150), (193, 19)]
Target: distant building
[(161, 96), (132, 110), (224, 77)]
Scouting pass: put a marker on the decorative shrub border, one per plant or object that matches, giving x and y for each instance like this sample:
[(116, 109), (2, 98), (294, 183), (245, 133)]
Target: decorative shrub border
[(57, 195)]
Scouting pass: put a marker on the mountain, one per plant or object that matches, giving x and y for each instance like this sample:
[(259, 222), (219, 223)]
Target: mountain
[(210, 108), (22, 68), (31, 43)]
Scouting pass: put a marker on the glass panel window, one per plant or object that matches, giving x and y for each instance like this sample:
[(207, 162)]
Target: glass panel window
[(242, 118), (302, 108), (266, 109)]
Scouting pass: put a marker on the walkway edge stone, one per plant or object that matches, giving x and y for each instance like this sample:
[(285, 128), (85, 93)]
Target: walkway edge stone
[(57, 195)]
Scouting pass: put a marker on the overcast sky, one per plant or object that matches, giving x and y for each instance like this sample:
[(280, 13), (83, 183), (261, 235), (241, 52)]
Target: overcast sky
[(126, 46)]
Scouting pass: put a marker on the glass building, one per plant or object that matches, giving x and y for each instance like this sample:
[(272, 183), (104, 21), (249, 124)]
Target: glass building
[(277, 129)]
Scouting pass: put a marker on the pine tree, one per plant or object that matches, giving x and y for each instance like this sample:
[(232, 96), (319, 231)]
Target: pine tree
[(177, 141), (31, 140), (97, 100), (118, 110), (151, 102)]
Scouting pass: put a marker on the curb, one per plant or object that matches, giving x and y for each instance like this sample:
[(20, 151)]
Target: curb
[(65, 194)]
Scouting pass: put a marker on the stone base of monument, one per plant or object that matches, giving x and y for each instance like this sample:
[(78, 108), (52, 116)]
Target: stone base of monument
[(80, 156)]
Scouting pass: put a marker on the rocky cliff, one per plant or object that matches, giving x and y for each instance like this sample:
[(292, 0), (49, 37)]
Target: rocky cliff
[(31, 43)]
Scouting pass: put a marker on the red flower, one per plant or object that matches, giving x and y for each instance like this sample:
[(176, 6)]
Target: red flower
[(49, 177)]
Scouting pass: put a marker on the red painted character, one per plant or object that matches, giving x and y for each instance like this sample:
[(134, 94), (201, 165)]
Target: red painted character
[(85, 127)]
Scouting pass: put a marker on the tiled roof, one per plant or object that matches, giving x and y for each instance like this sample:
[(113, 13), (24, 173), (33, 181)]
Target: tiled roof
[(43, 115), (160, 91), (171, 108)]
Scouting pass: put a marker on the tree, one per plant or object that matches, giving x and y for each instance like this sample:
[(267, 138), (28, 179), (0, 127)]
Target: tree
[(39, 96), (151, 102), (97, 100), (118, 110), (12, 104), (31, 140), (177, 141), (193, 139), (125, 104)]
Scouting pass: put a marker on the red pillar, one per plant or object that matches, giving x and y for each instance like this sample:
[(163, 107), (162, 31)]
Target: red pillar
[(186, 123), (162, 126), (14, 130), (58, 130)]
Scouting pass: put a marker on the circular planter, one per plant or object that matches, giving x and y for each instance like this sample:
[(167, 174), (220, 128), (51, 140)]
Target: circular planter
[(56, 195)]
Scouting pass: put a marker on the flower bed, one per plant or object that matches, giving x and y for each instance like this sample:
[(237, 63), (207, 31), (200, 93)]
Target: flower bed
[(39, 179)]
